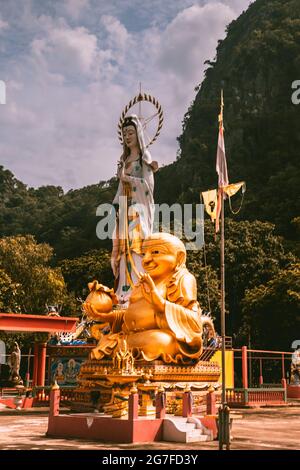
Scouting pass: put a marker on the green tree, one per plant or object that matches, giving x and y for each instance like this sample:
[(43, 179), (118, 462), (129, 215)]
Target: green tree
[(254, 254), (272, 310), (78, 272), (25, 270), (66, 221), (208, 285), (8, 290)]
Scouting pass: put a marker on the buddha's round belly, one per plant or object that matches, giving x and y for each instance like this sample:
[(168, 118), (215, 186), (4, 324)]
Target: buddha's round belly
[(140, 316)]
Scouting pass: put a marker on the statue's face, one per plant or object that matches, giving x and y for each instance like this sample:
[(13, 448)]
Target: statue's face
[(130, 137), (159, 260)]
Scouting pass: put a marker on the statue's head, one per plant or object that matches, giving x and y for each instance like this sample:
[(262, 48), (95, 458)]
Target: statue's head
[(130, 137), (71, 364), (163, 255)]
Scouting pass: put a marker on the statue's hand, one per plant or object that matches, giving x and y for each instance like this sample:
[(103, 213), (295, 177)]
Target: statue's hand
[(151, 293)]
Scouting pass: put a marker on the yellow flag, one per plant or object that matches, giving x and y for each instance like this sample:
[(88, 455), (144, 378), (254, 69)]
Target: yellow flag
[(232, 189), (210, 199)]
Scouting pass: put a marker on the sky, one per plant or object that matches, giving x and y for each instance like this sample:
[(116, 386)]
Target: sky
[(71, 66)]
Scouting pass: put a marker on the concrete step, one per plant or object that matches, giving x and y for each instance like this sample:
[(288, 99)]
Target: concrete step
[(196, 435), (185, 426), (179, 429)]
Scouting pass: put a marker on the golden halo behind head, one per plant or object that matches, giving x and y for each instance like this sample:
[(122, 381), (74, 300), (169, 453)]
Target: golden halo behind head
[(138, 98)]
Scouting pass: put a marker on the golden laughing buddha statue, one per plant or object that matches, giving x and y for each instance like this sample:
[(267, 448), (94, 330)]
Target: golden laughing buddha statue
[(163, 318)]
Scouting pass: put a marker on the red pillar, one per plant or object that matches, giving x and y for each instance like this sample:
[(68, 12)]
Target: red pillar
[(133, 406), (54, 409), (261, 378), (35, 364), (187, 404), (211, 403), (244, 367), (54, 401), (42, 364), (160, 405), (282, 366)]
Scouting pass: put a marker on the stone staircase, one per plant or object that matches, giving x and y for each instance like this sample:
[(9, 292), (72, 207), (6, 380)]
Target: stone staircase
[(179, 429)]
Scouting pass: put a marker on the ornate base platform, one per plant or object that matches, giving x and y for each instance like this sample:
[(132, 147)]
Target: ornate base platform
[(96, 384), (129, 428)]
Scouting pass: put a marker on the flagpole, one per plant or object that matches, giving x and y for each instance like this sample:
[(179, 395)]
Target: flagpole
[(224, 420), (223, 328), (222, 260)]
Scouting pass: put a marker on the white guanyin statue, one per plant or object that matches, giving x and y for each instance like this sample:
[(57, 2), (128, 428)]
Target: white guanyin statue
[(135, 207)]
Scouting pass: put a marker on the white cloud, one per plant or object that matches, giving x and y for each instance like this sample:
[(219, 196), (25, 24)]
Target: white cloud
[(74, 75), (3, 25), (191, 38), (66, 50), (118, 34), (75, 7), (117, 37), (238, 6)]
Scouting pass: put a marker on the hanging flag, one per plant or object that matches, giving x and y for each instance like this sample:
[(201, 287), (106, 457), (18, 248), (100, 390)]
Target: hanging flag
[(210, 203), (221, 165), (232, 189)]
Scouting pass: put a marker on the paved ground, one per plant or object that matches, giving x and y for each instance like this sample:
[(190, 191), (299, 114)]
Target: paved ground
[(261, 429)]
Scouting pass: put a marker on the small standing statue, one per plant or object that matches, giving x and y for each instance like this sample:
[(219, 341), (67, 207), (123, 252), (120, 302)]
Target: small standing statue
[(15, 362), (295, 367)]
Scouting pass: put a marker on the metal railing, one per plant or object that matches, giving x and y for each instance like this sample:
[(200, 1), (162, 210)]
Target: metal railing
[(255, 396), (209, 351), (265, 368)]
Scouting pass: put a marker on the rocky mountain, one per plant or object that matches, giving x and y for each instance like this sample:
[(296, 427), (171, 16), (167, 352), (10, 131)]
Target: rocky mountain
[(256, 65)]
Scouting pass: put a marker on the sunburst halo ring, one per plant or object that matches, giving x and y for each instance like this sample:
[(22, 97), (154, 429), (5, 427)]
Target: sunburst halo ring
[(138, 98)]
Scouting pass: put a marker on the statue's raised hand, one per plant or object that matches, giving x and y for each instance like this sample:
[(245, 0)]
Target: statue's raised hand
[(151, 293)]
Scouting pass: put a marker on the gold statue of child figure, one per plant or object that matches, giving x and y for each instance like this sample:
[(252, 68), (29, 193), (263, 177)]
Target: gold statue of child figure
[(163, 318)]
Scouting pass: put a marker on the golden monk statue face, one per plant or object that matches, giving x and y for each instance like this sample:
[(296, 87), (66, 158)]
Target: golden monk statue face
[(160, 259)]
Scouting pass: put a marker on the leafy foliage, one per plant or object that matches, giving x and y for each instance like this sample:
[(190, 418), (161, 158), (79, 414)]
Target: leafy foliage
[(27, 282), (254, 254), (8, 291), (271, 310), (78, 272), (66, 221)]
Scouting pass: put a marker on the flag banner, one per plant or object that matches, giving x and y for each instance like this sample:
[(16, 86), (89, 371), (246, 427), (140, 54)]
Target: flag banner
[(233, 188), (210, 199), (221, 164)]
